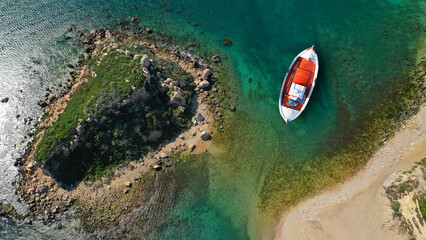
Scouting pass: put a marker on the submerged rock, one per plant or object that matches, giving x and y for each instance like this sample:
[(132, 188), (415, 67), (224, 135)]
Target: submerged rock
[(191, 147), (42, 103), (216, 59), (227, 42)]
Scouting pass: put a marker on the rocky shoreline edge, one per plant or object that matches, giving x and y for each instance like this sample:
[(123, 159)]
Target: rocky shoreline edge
[(105, 202)]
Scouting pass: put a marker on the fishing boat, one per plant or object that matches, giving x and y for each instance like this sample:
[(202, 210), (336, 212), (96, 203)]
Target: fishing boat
[(299, 82)]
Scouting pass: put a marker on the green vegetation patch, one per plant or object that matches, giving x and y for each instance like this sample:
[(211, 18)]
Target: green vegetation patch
[(115, 117), (422, 206)]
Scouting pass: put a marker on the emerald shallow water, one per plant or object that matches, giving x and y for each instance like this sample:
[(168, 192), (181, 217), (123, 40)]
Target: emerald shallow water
[(365, 48)]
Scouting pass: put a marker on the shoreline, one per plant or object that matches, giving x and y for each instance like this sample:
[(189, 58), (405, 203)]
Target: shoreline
[(359, 205), (48, 199)]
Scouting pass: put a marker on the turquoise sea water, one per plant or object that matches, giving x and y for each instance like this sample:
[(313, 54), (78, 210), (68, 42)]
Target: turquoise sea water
[(364, 48)]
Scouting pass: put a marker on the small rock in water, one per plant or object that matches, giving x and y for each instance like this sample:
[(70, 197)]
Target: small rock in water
[(134, 20), (42, 188), (205, 136), (5, 100), (30, 166), (198, 118), (216, 59), (59, 226), (42, 103), (108, 34), (232, 108), (227, 42)]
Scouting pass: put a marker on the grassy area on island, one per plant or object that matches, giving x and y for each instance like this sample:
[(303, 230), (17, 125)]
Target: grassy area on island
[(119, 111), (287, 184)]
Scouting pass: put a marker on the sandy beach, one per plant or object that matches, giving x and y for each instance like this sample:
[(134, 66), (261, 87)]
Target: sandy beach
[(359, 208)]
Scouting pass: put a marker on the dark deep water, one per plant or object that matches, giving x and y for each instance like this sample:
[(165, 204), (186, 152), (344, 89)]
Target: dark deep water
[(364, 48)]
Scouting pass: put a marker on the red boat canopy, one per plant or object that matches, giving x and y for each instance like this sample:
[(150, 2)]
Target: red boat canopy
[(304, 72), (301, 77)]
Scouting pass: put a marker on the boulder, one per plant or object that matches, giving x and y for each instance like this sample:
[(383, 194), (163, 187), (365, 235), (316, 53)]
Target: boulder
[(206, 74), (191, 147), (145, 63), (178, 98), (205, 136), (128, 184), (157, 167), (163, 155), (203, 84), (198, 118), (216, 59), (42, 188), (5, 100), (134, 20), (232, 108)]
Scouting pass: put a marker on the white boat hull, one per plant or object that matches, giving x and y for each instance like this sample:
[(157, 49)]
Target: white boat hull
[(290, 114)]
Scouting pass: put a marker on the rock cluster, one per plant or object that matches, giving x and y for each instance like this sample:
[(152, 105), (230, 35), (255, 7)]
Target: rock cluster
[(42, 196)]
